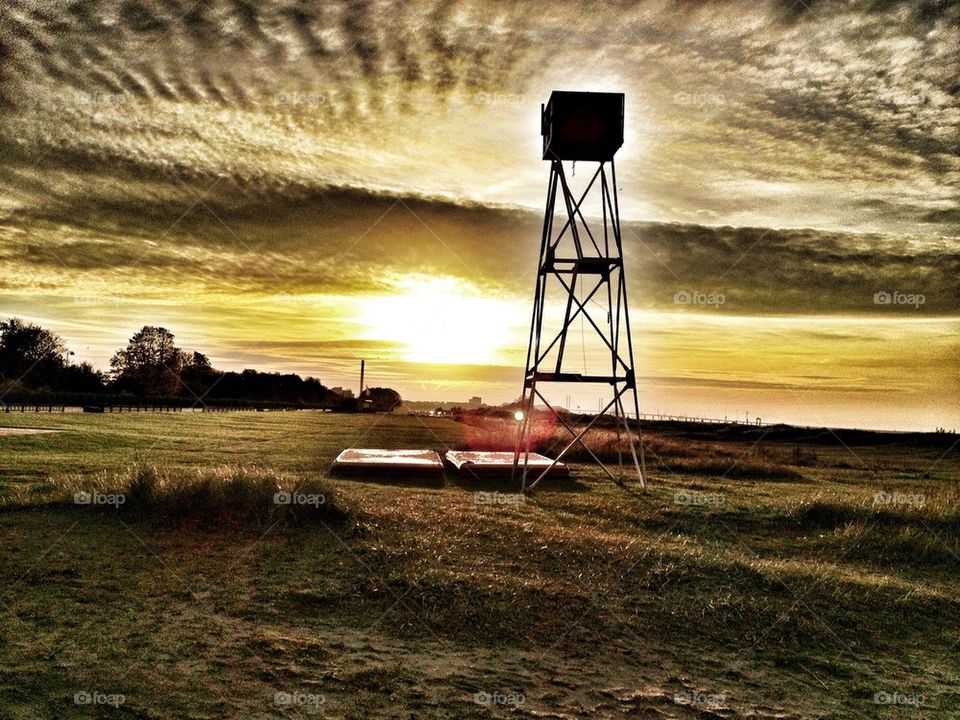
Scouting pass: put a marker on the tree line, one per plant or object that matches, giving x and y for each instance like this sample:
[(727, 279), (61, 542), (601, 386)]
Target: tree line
[(35, 366)]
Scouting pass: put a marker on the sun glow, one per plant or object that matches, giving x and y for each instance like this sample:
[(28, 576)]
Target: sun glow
[(442, 321)]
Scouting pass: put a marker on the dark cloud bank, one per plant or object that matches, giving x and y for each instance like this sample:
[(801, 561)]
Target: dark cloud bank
[(353, 242)]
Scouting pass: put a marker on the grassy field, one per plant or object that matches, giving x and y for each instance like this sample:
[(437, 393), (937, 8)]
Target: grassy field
[(755, 579)]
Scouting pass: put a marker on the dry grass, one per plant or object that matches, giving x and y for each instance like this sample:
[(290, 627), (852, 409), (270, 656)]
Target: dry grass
[(226, 495), (920, 531), (664, 454), (791, 599)]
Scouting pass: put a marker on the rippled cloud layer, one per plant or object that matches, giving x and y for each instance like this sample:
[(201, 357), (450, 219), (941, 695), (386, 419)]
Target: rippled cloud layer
[(823, 114)]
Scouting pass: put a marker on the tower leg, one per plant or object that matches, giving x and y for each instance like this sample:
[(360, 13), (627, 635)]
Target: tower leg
[(581, 257)]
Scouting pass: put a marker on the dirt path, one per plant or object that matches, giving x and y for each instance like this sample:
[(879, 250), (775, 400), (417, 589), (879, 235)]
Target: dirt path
[(24, 431)]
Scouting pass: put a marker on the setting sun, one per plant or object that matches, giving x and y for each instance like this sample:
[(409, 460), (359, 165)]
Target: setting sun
[(441, 321)]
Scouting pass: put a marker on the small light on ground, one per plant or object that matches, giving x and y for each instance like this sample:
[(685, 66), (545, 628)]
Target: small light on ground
[(518, 415)]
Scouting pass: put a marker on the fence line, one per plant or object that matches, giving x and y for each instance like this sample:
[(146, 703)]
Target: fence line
[(51, 408), (32, 407), (756, 422)]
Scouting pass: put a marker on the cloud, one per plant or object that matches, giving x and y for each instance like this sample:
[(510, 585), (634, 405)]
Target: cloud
[(236, 240), (829, 115)]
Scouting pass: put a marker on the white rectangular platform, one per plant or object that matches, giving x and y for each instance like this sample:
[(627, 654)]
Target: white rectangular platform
[(394, 462), (486, 463)]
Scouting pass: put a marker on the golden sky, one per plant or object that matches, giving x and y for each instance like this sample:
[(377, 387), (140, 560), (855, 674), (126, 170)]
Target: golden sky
[(296, 185)]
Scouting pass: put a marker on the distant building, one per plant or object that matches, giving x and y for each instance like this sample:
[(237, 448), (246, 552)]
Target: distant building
[(475, 402), (342, 392)]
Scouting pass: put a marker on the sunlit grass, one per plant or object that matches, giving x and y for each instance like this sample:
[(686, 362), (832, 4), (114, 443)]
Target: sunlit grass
[(808, 584)]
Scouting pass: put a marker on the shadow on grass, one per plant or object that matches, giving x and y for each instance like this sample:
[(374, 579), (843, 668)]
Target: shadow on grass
[(402, 478), (474, 481)]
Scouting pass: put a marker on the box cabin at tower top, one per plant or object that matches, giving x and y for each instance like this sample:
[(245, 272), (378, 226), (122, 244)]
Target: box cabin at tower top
[(582, 125)]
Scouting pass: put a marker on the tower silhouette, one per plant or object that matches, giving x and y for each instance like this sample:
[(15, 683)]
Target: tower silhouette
[(580, 268)]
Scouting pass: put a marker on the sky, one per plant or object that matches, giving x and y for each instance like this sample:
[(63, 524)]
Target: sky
[(296, 185)]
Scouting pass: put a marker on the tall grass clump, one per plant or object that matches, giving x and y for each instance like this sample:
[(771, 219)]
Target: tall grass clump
[(227, 495), (923, 534)]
